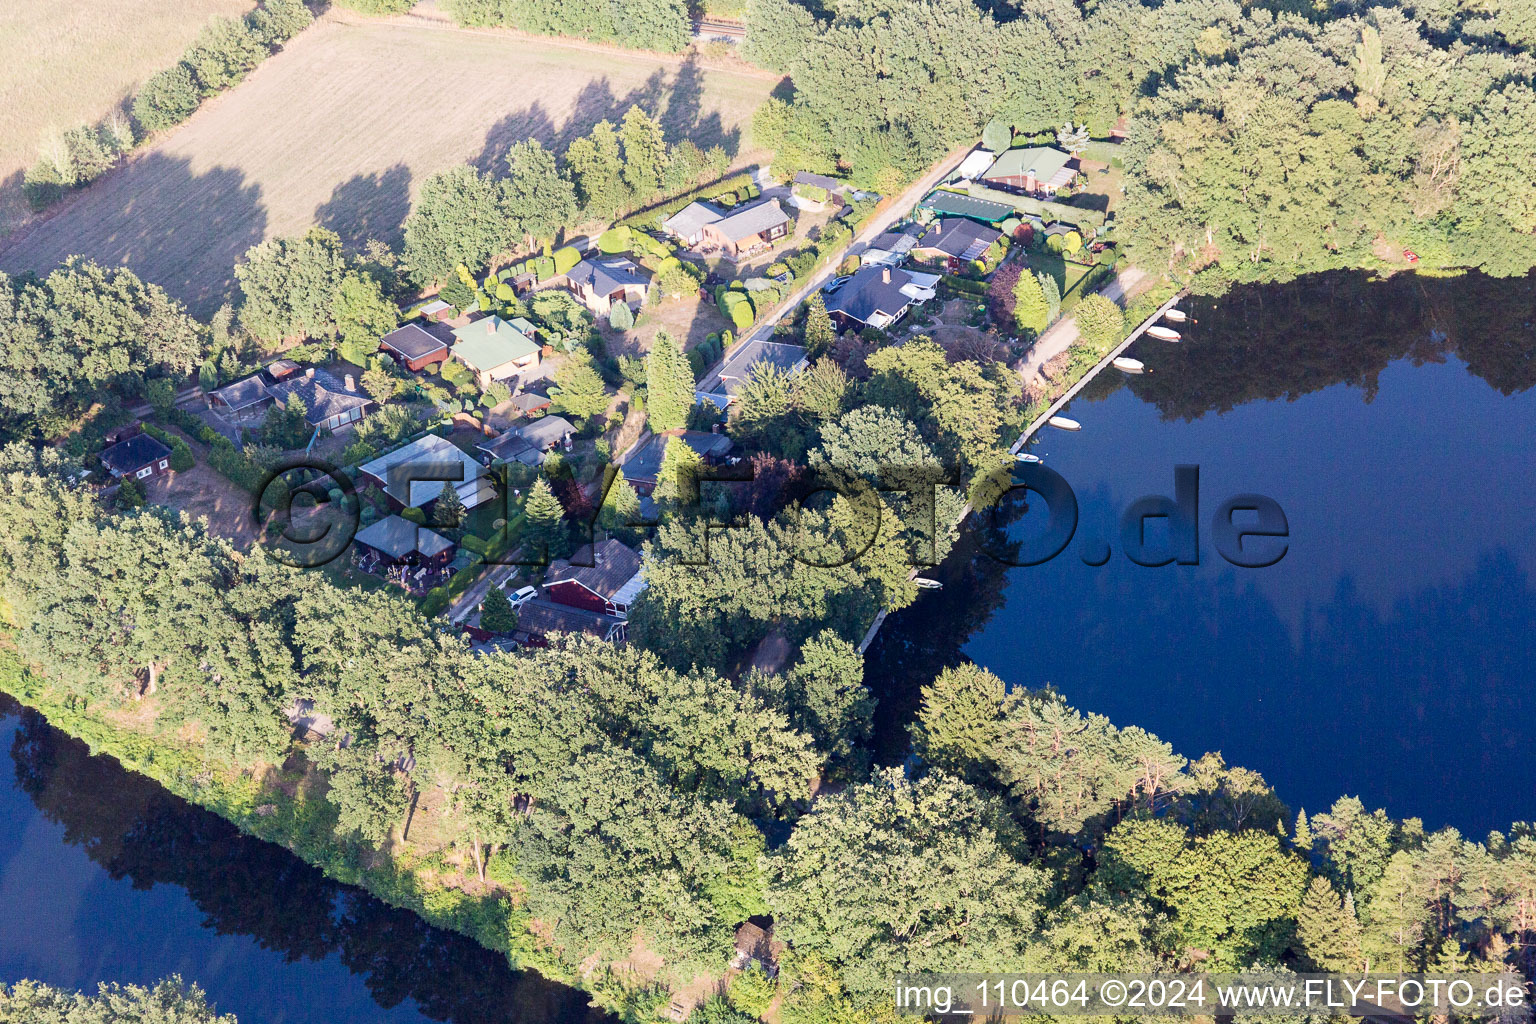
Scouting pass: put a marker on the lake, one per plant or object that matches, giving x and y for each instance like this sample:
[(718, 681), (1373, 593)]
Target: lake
[(105, 876), (1388, 654)]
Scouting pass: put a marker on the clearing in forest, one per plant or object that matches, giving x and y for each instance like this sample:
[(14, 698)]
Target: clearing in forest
[(67, 62), (341, 128)]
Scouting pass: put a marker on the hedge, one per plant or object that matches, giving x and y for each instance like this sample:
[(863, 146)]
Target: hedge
[(1044, 209), (614, 240), (473, 543), (652, 218), (544, 268), (565, 258), (434, 602)]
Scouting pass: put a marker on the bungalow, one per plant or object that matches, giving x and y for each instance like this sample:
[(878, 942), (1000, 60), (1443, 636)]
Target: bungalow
[(327, 403), (406, 474), (721, 386), (545, 431), (537, 619), (735, 234), (874, 297), (687, 224), (955, 239), (496, 349), (748, 229), (1035, 171), (413, 347), (643, 466), (600, 578), (140, 457), (599, 283), (393, 540), (511, 447), (242, 398)]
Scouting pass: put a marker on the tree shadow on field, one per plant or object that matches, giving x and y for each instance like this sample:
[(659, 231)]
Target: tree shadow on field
[(531, 122), (684, 117), (180, 230), (677, 103), (365, 206)]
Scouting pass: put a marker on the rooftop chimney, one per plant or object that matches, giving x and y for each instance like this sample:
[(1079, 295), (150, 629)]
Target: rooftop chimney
[(349, 383), (885, 275), (490, 325), (310, 372), (938, 226)]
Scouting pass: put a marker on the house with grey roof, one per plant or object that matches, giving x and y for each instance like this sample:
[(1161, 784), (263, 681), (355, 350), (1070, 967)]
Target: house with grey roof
[(955, 239), (139, 456), (413, 475), (687, 224), (601, 281), (747, 230), (875, 296), (393, 540), (642, 466), (603, 577), (496, 349), (736, 233), (328, 403)]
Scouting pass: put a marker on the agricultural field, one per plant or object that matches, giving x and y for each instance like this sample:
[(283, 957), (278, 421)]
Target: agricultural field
[(63, 62), (342, 127)]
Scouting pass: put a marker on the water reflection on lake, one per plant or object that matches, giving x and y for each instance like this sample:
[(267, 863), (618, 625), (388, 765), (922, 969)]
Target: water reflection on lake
[(104, 876), (1388, 654)]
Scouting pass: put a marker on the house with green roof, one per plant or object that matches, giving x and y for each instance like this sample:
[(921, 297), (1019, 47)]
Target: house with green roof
[(1033, 170), (495, 349), (957, 204)]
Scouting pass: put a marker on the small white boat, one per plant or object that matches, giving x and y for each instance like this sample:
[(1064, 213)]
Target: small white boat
[(1175, 316), (927, 584), (1126, 364), (1063, 423), (1026, 457), (1162, 333)]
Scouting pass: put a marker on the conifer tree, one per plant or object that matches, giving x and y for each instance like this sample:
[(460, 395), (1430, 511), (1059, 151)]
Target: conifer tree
[(1303, 839), (1031, 312), (668, 384), (677, 481), (819, 333), (448, 512), (545, 519), (621, 505), (1326, 929), (496, 614)]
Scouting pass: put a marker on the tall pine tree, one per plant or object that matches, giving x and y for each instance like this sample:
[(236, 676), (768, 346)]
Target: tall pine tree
[(668, 384), (818, 334), (546, 526), (1326, 929)]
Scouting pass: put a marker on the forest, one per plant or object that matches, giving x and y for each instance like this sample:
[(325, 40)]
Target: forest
[(1265, 140)]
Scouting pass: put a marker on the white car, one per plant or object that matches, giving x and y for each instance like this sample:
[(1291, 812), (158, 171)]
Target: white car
[(523, 596)]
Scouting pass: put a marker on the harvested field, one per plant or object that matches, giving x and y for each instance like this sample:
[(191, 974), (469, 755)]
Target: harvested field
[(342, 127), (64, 62)]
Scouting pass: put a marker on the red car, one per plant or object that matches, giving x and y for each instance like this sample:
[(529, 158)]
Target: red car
[(1410, 256)]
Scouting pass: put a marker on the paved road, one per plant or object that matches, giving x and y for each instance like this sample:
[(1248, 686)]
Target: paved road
[(895, 210), (1060, 335)]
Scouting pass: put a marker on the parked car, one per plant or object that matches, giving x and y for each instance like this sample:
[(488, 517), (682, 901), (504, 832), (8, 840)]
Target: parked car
[(522, 597)]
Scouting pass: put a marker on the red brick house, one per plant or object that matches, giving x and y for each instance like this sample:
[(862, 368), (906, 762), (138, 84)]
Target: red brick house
[(607, 586)]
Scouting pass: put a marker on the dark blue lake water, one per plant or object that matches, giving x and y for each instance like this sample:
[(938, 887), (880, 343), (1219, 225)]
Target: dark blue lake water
[(1389, 654), (104, 876)]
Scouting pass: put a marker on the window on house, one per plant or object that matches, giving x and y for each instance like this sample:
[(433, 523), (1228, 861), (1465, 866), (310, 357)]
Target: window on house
[(146, 471), (163, 463)]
